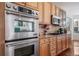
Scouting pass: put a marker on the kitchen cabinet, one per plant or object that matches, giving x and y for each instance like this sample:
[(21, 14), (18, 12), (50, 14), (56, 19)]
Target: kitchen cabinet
[(20, 3), (47, 13), (63, 18), (57, 11), (53, 10), (33, 5), (44, 47), (2, 28), (59, 45), (63, 42), (41, 10), (68, 41), (52, 46), (2, 49)]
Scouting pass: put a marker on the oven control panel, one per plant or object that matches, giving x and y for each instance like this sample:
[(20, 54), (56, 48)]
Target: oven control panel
[(13, 7)]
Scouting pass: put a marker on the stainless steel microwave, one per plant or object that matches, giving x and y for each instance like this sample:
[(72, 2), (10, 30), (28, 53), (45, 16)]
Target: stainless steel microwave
[(55, 20)]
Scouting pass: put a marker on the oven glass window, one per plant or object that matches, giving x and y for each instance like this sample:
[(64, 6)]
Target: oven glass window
[(24, 51), (24, 26)]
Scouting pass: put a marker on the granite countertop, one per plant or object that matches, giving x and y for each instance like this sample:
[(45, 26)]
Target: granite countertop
[(48, 35)]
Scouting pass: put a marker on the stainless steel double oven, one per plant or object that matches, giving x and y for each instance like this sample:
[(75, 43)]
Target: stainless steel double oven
[(21, 31)]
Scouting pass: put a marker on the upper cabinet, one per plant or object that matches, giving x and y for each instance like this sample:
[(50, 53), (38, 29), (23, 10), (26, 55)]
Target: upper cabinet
[(57, 11), (33, 5), (41, 10), (44, 12), (53, 10), (47, 13), (21, 3)]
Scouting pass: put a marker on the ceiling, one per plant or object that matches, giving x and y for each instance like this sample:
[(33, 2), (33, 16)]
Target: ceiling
[(72, 8)]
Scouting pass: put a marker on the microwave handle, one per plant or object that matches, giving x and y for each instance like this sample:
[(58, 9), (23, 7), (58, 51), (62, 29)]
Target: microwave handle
[(51, 19)]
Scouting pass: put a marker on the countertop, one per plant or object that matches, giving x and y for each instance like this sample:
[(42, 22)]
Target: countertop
[(47, 36)]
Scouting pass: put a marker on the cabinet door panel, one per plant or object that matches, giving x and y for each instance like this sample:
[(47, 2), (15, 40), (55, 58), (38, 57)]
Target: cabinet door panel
[(59, 45), (63, 43), (44, 50), (33, 5), (52, 46), (47, 13), (41, 12), (2, 28), (20, 3), (57, 11), (2, 49), (53, 10)]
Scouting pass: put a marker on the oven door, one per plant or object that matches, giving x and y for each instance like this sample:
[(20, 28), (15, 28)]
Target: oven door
[(17, 27), (25, 49)]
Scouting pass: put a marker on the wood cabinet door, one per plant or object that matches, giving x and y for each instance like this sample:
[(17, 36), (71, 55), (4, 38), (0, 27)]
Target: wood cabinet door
[(21, 3), (47, 13), (63, 43), (33, 5), (68, 43), (59, 45), (52, 44), (2, 49), (57, 11), (2, 28), (44, 50), (41, 12), (53, 10), (44, 47)]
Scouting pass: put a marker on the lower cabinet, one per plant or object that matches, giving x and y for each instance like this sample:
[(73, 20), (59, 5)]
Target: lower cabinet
[(63, 42), (52, 45), (44, 48), (59, 44), (68, 39)]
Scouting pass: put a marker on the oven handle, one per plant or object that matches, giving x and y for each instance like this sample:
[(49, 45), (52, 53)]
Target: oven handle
[(21, 14), (21, 44)]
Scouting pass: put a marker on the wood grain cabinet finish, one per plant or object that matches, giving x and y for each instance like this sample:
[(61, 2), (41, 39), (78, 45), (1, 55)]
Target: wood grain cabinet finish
[(59, 44), (21, 3), (44, 48), (53, 10), (2, 28), (57, 11), (33, 5), (63, 42), (68, 41), (2, 49), (52, 44), (41, 12), (47, 13)]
